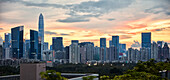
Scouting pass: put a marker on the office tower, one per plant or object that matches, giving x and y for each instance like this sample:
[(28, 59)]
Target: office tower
[(74, 54), (144, 53), (131, 54), (17, 42), (165, 51), (96, 55), (110, 43), (86, 51), (45, 45), (33, 44), (66, 53), (154, 51), (1, 52), (160, 43), (146, 42), (7, 46), (160, 53), (57, 44), (115, 42), (40, 35), (108, 54), (138, 55), (113, 53), (27, 48), (75, 41), (103, 48), (122, 48)]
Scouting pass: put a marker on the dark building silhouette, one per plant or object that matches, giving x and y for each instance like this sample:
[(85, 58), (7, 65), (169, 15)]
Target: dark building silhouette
[(115, 43), (103, 49), (165, 51), (33, 44), (75, 41), (17, 41), (146, 40), (57, 43)]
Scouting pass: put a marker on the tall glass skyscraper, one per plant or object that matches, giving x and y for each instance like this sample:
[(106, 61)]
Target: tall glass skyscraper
[(57, 43), (17, 41), (33, 44), (115, 43), (146, 40), (7, 40), (41, 35), (103, 49)]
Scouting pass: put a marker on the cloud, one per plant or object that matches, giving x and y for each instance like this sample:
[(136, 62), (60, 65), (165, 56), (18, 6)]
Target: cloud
[(54, 33), (50, 33), (136, 44), (111, 19), (71, 20), (125, 37), (1, 29), (167, 13)]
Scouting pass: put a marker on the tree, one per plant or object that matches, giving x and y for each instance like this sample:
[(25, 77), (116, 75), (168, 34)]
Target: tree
[(52, 75)]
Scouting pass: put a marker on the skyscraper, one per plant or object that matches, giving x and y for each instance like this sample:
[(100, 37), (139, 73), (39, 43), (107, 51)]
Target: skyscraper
[(57, 43), (75, 41), (146, 42), (17, 41), (74, 54), (165, 51), (41, 34), (154, 50), (45, 45), (115, 42), (103, 49), (7, 46), (33, 44)]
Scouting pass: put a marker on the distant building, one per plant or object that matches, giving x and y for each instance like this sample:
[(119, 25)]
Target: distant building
[(122, 48), (33, 44), (165, 51), (7, 46), (66, 56), (17, 41), (110, 43), (74, 41), (154, 51), (40, 35), (103, 49), (57, 43), (115, 42), (138, 55), (131, 54), (113, 53), (96, 55), (74, 54), (45, 45), (146, 42), (27, 48), (31, 71), (144, 54), (1, 52)]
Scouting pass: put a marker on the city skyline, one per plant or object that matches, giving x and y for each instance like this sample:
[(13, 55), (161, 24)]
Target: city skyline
[(127, 20)]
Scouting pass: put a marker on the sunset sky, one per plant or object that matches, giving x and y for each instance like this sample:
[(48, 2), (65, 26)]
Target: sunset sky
[(89, 20)]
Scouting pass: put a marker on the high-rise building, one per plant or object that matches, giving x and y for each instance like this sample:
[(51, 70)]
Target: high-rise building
[(165, 51), (146, 42), (27, 48), (144, 54), (110, 43), (154, 51), (113, 53), (66, 56), (115, 42), (160, 52), (1, 51), (7, 46), (122, 48), (17, 41), (57, 44), (131, 54), (45, 45), (74, 54), (75, 41), (160, 43), (96, 55), (103, 49), (33, 44), (41, 35)]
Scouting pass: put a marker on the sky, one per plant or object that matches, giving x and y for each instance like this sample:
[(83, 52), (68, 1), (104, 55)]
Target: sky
[(89, 20)]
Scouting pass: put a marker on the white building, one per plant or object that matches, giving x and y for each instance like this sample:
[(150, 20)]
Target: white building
[(74, 53)]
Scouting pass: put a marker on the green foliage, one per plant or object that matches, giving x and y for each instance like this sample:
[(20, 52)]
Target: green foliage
[(52, 75), (148, 70), (8, 70), (89, 78)]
